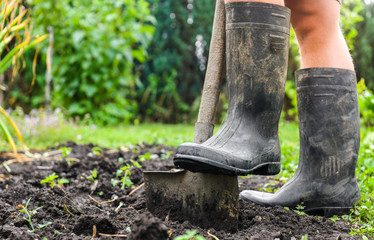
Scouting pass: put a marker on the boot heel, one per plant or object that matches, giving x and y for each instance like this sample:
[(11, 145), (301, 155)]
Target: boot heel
[(272, 168), (330, 211)]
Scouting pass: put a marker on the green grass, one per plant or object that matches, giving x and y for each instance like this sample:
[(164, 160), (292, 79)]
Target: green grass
[(114, 137)]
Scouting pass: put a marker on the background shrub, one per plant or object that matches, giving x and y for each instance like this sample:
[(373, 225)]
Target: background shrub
[(144, 61), (97, 47)]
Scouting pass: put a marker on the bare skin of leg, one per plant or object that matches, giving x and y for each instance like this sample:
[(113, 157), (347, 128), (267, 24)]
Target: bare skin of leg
[(279, 2), (316, 24)]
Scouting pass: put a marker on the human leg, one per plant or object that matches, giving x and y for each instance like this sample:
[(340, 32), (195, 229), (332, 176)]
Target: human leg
[(278, 2), (328, 124), (257, 52), (316, 24)]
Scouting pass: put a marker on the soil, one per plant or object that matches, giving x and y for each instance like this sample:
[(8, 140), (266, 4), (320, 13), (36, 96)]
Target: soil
[(78, 209)]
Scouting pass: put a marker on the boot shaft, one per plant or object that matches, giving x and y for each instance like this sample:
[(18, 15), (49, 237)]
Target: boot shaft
[(258, 13), (329, 123), (257, 40)]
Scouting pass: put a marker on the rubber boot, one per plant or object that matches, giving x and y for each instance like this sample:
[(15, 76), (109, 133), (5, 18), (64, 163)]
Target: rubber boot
[(257, 36), (329, 129)]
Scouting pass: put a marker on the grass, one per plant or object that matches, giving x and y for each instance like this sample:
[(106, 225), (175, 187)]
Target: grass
[(114, 137), (41, 131)]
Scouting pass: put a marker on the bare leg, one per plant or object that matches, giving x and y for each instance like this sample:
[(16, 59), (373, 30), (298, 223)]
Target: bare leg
[(316, 23), (279, 2)]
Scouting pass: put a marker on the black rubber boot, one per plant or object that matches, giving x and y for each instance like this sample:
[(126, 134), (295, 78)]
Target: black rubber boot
[(329, 128), (257, 36)]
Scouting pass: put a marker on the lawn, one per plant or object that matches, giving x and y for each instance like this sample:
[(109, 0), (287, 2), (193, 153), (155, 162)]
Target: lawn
[(46, 131)]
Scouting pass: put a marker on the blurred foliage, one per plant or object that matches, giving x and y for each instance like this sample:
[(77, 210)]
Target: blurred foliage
[(16, 38), (350, 16), (290, 104), (145, 60), (363, 53), (98, 45), (293, 57), (15, 34), (90, 49), (16, 42), (366, 103), (175, 70)]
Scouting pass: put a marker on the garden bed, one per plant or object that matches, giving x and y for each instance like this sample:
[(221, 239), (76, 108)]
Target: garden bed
[(90, 207)]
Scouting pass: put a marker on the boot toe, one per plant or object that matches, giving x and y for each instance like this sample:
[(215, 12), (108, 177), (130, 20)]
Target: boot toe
[(201, 158), (261, 198)]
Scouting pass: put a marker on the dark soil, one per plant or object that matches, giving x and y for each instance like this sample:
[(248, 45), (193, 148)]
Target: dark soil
[(75, 215)]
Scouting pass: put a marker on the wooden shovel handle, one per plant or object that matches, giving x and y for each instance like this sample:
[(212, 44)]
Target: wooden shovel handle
[(214, 74)]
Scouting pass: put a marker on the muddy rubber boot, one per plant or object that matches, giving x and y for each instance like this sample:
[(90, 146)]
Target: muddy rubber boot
[(329, 129), (257, 36)]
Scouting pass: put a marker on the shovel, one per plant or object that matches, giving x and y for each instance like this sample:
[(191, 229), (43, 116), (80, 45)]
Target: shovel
[(207, 200)]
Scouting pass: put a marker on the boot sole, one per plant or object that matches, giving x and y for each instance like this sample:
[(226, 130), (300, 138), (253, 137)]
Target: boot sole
[(329, 211), (315, 211), (205, 165)]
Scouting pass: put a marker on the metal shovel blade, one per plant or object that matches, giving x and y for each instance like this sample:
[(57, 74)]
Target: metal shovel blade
[(207, 200)]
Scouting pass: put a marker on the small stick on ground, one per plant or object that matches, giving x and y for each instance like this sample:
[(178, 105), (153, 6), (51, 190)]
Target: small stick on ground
[(109, 201), (119, 207), (136, 189), (215, 238), (93, 232), (12, 155), (119, 198), (27, 159), (52, 153), (94, 186), (112, 235), (67, 210), (93, 199)]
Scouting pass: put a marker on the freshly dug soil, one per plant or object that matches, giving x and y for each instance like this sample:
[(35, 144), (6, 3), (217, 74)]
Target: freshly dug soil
[(84, 209)]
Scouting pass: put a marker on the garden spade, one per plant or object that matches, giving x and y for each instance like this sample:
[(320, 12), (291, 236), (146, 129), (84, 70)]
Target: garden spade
[(204, 199)]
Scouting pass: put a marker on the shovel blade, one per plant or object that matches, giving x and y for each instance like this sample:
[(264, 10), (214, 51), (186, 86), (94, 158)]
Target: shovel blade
[(206, 200)]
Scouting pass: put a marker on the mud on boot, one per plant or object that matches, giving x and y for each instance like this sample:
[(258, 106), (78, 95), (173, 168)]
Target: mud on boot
[(256, 56), (329, 129)]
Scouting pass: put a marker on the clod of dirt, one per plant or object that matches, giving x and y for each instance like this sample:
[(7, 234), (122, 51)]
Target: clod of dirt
[(84, 225), (147, 227), (266, 235)]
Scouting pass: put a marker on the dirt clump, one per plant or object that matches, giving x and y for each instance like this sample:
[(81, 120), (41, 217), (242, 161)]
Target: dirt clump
[(148, 227)]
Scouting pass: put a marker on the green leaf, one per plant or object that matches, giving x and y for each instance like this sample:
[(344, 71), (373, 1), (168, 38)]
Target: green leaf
[(96, 150), (114, 182), (77, 37), (94, 173), (89, 90), (138, 55)]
